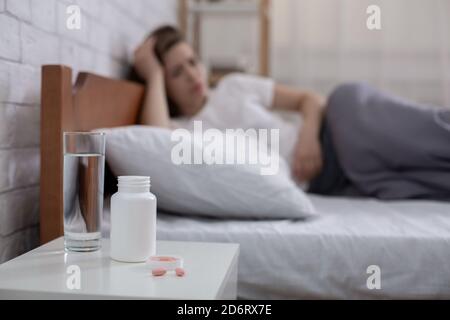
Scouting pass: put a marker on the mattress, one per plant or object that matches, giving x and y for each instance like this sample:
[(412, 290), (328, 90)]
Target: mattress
[(355, 249)]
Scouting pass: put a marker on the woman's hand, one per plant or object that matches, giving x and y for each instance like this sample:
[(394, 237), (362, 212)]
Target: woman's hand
[(307, 162), (145, 61), (155, 111), (307, 158)]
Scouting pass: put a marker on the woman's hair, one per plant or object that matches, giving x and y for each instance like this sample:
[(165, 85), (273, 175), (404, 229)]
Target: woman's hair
[(166, 38)]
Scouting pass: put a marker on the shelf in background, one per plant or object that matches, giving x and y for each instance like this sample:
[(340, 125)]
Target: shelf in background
[(224, 8)]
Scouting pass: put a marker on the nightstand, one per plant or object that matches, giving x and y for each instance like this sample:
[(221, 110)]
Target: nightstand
[(49, 272)]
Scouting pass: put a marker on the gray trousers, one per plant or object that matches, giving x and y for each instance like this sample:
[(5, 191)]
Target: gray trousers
[(384, 146)]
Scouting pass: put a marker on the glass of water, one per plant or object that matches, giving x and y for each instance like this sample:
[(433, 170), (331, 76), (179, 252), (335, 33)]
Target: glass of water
[(84, 163)]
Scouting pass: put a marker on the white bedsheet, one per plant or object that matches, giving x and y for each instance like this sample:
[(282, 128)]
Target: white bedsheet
[(328, 257)]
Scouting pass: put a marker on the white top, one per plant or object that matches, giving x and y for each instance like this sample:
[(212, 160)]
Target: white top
[(45, 272), (243, 101)]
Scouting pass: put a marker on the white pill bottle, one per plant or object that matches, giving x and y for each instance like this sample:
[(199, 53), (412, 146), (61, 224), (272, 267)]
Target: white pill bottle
[(133, 220)]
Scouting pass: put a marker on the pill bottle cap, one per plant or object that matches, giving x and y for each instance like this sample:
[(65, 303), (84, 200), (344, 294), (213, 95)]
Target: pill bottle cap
[(133, 183)]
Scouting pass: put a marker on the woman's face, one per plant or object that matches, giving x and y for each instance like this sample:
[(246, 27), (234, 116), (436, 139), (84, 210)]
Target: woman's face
[(185, 79)]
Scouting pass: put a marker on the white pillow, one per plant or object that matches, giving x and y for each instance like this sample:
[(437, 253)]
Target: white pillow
[(221, 191)]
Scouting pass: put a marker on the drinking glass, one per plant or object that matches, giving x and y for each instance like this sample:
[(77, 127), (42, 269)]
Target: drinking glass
[(84, 163)]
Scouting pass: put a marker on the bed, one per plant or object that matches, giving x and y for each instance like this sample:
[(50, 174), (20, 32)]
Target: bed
[(329, 257)]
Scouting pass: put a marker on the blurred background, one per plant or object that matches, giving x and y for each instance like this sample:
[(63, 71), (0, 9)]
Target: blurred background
[(320, 43), (314, 44)]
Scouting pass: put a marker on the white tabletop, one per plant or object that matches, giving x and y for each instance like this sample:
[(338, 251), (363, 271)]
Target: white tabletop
[(43, 273)]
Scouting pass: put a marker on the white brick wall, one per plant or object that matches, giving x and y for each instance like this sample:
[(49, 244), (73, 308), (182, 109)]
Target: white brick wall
[(32, 33), (21, 9), (43, 14), (36, 44), (13, 117), (19, 168), (10, 38)]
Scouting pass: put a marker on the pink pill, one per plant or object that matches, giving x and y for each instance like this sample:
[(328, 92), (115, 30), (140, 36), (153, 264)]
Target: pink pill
[(179, 272), (163, 258), (159, 272)]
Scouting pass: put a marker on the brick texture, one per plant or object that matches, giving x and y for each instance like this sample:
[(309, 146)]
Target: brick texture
[(33, 33), (9, 38), (19, 8)]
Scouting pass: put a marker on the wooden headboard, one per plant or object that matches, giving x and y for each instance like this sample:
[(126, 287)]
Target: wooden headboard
[(93, 102)]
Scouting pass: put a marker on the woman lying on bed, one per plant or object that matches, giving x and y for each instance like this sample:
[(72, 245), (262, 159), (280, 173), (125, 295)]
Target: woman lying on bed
[(358, 141)]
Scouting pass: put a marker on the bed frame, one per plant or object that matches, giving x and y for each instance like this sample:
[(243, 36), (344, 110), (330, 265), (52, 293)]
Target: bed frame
[(93, 102)]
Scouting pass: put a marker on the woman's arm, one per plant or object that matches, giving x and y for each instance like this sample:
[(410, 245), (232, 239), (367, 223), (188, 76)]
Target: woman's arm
[(307, 162), (155, 111)]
